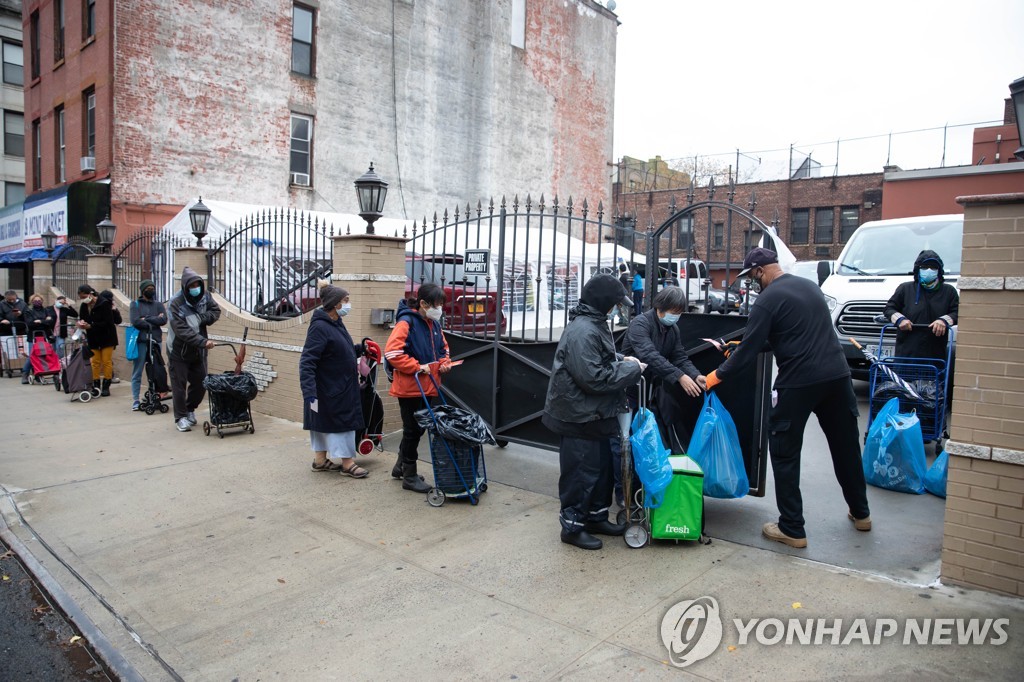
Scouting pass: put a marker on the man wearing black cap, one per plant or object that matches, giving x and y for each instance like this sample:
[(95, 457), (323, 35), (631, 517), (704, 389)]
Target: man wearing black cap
[(585, 395), (791, 317), (148, 315)]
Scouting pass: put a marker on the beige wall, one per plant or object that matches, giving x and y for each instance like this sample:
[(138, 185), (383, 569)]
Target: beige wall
[(984, 526)]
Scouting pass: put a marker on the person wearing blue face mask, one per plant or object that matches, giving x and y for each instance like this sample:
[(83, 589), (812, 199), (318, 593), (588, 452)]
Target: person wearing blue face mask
[(927, 300), (190, 312), (655, 339)]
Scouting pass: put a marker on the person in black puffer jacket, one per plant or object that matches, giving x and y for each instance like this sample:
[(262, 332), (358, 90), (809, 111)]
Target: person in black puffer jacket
[(585, 396), (99, 318), (927, 300)]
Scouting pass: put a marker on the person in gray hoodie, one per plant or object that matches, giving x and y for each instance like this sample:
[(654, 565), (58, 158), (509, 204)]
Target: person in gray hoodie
[(191, 311), (148, 315)]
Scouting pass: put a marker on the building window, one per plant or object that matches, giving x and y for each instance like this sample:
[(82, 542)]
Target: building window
[(34, 34), (685, 229), (849, 219), (824, 221), (14, 134), (302, 150), (88, 19), (719, 235), (58, 30), (302, 40), (798, 225), (14, 192), (37, 153), (58, 117), (89, 132), (519, 24), (14, 64)]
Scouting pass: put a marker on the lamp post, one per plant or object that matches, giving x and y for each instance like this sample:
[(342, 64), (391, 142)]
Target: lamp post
[(199, 216), (1017, 93), (371, 191), (49, 239), (107, 230)]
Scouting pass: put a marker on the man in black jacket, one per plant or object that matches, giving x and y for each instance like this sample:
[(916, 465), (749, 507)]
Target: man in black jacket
[(654, 338), (792, 318), (927, 300), (585, 395), (192, 310)]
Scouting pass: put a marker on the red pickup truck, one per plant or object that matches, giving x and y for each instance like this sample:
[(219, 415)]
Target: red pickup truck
[(470, 305)]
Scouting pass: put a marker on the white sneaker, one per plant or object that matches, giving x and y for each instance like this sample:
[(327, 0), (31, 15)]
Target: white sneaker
[(191, 417), (183, 424)]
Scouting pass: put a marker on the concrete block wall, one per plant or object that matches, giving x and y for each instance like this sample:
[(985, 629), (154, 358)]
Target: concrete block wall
[(984, 525)]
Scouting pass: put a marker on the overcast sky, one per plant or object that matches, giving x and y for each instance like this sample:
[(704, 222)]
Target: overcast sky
[(708, 78)]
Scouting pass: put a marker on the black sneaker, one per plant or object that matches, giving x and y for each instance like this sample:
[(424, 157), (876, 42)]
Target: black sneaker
[(583, 540)]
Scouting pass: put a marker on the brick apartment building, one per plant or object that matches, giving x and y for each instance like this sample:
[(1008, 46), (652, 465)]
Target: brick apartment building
[(286, 103), (815, 216)]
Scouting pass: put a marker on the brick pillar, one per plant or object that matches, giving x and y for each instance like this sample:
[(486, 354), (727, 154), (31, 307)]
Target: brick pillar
[(372, 269), (100, 272), (983, 541), (190, 256), (42, 279)]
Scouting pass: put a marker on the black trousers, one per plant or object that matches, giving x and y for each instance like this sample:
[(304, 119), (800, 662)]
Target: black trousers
[(835, 405), (585, 483), (411, 433), (186, 384), (638, 302)]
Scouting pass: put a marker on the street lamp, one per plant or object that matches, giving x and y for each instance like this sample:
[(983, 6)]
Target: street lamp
[(106, 230), (49, 239), (1017, 93), (199, 216), (371, 191)]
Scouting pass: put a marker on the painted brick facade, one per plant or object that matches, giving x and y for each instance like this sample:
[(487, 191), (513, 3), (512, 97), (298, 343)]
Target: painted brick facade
[(984, 530), (432, 91)]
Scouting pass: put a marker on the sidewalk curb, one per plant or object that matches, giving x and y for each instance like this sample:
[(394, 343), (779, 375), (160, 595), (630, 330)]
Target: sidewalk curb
[(111, 656)]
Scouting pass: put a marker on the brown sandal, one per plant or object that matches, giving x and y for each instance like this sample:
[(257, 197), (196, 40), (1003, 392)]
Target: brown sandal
[(355, 471), (328, 465)]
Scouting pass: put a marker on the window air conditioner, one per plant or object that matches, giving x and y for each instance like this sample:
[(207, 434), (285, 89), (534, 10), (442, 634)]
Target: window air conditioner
[(300, 179), (88, 164)]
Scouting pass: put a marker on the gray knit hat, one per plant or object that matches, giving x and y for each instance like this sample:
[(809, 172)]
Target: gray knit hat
[(331, 296)]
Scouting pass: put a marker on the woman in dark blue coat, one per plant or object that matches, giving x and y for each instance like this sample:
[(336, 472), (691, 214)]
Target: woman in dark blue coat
[(329, 379)]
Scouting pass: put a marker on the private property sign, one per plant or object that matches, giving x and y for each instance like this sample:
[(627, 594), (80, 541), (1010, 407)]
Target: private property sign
[(477, 263)]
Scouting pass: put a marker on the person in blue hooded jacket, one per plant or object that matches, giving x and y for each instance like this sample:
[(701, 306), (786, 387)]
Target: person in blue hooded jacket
[(329, 379), (927, 300)]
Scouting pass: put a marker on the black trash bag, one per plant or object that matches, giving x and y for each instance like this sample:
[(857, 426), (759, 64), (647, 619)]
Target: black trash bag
[(456, 424), (241, 386), (926, 388)]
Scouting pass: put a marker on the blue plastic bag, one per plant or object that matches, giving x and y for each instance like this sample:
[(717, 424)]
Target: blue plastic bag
[(131, 343), (715, 445), (650, 457), (935, 479), (894, 451)]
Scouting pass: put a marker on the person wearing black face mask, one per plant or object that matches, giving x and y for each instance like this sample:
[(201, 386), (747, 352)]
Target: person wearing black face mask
[(792, 318), (148, 316), (38, 321)]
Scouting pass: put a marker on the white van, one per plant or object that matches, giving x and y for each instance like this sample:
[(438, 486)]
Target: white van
[(879, 257), (692, 275)]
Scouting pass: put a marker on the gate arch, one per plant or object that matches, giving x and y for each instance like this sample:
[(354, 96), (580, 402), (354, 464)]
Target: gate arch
[(70, 267)]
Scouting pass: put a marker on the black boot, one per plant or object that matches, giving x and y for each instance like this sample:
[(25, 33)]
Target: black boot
[(605, 527), (396, 471), (104, 387), (583, 540), (416, 484), (96, 388), (24, 378)]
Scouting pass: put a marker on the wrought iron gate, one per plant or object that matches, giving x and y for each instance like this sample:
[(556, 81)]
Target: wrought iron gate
[(70, 266)]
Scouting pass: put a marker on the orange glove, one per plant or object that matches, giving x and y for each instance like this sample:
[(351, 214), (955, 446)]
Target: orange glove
[(712, 379), (729, 347)]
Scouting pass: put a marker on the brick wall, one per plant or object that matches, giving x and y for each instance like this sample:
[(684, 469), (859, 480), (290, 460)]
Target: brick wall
[(984, 525)]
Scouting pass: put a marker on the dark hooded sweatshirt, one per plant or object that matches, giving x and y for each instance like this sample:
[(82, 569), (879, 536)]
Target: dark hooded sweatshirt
[(921, 305), (189, 318)]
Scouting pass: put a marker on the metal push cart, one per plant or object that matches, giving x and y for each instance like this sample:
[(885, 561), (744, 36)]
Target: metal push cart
[(928, 378), (229, 395), (459, 468)]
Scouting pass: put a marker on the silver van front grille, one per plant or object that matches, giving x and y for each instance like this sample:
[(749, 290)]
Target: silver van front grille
[(858, 319)]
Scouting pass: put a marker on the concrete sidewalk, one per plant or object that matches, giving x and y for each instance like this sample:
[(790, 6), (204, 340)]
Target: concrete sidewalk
[(231, 560)]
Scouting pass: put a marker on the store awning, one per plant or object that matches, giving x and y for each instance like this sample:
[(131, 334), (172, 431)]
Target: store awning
[(22, 256)]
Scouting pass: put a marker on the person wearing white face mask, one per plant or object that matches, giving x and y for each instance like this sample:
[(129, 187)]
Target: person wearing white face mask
[(928, 300), (656, 340), (416, 346)]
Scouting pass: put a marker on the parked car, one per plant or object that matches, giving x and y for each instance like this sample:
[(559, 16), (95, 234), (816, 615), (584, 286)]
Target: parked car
[(733, 300), (470, 307)]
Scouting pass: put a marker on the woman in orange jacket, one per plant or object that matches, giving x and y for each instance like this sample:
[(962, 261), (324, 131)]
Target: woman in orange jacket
[(416, 346)]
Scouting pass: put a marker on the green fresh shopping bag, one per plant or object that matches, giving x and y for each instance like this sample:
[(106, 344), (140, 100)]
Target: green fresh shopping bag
[(681, 514)]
